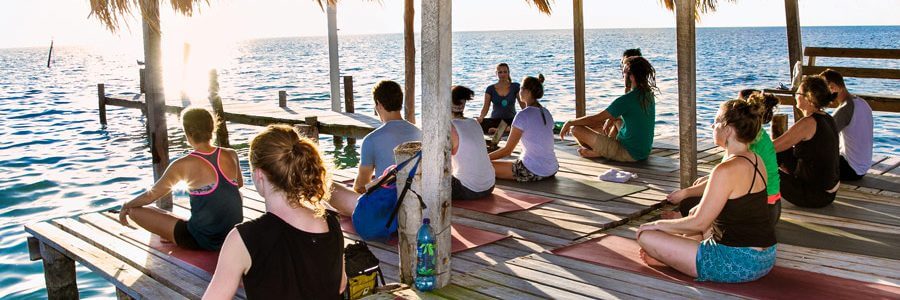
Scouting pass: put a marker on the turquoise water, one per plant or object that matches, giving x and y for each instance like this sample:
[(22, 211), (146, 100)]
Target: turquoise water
[(57, 161)]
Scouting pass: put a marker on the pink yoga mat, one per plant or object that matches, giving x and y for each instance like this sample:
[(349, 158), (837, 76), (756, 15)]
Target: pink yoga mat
[(502, 201), (780, 283), (462, 237), (205, 260)]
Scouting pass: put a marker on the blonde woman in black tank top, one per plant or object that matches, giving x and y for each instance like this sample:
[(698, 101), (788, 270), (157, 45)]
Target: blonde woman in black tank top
[(734, 200)]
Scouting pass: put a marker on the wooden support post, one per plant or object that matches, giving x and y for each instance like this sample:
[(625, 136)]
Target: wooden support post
[(155, 97), (218, 110), (795, 44), (121, 295), (687, 93), (578, 9), (437, 70), (410, 216), (779, 125), (282, 99), (59, 274), (334, 70), (101, 99), (309, 129), (349, 106), (409, 59), (34, 248), (142, 75), (798, 114)]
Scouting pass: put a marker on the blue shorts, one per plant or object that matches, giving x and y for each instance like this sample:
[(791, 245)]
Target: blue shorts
[(720, 263)]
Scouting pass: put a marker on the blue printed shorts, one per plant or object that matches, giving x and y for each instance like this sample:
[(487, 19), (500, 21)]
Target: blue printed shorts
[(720, 263)]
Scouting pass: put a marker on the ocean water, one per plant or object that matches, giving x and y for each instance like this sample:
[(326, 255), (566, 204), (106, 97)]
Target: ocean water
[(56, 160)]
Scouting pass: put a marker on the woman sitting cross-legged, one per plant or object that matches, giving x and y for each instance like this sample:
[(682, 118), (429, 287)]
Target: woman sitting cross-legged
[(534, 127), (808, 152), (599, 135), (734, 207), (295, 250), (473, 173), (213, 177), (689, 197)]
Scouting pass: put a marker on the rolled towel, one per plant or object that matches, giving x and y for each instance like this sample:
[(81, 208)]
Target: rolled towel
[(614, 175)]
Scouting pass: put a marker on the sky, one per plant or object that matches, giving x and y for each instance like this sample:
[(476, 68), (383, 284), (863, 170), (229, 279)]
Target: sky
[(33, 23)]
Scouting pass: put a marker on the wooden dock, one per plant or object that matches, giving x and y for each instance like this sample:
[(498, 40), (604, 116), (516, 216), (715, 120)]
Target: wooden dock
[(856, 238)]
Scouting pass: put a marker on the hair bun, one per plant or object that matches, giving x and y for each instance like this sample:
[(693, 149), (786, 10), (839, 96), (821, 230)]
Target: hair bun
[(540, 77)]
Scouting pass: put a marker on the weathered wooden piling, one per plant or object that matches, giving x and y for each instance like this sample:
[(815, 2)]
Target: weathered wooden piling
[(309, 129), (101, 100), (349, 106), (59, 274), (218, 110), (282, 99), (779, 125), (409, 60), (410, 216), (155, 96), (795, 44), (578, 10), (687, 93)]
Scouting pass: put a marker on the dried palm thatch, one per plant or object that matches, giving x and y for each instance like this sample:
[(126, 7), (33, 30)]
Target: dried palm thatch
[(112, 12), (542, 5), (703, 6)]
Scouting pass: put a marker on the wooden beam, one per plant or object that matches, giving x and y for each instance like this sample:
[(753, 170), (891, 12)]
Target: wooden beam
[(155, 97), (876, 102), (436, 80), (687, 93), (855, 72), (792, 17), (34, 249), (349, 106), (334, 70), (409, 60), (853, 52), (578, 10), (101, 99)]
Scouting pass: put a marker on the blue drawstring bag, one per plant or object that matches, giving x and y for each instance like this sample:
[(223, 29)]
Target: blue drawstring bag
[(375, 216)]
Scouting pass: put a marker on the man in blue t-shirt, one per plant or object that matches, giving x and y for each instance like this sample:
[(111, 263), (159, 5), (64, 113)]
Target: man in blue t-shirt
[(377, 151)]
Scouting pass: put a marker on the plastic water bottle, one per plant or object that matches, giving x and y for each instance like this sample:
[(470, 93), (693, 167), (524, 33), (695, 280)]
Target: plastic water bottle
[(425, 255)]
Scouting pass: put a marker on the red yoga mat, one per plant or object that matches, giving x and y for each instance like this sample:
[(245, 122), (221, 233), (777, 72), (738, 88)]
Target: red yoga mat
[(461, 237), (205, 260), (502, 201), (780, 283)]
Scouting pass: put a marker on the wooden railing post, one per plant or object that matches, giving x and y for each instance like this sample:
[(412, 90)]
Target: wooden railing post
[(779, 125), (685, 28), (155, 98), (309, 129), (580, 105), (101, 99), (142, 74), (409, 61), (59, 274), (282, 99), (349, 106), (216, 102), (795, 44)]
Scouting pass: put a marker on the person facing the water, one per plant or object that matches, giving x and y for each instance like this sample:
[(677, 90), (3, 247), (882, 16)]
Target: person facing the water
[(213, 177), (743, 248), (377, 150), (688, 198), (808, 156), (637, 109), (853, 117), (473, 173), (534, 127), (294, 250), (501, 97), (625, 55)]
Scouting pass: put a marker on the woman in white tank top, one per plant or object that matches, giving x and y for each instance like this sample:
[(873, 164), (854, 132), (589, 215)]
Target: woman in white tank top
[(473, 173)]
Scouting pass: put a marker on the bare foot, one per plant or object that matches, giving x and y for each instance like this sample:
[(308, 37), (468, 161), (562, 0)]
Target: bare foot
[(649, 260), (587, 153), (671, 214), (676, 196)]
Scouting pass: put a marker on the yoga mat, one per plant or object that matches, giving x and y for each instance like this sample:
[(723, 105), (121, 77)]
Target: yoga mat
[(656, 163), (858, 241), (502, 201), (878, 182), (462, 237), (589, 189), (205, 260), (780, 283)]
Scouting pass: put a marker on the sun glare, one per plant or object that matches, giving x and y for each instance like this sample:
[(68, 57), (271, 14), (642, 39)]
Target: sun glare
[(191, 48)]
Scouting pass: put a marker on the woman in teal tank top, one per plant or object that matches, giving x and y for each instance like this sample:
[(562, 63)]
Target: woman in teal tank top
[(213, 176)]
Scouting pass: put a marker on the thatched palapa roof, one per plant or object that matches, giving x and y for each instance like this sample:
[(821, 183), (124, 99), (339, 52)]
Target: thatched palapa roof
[(703, 6)]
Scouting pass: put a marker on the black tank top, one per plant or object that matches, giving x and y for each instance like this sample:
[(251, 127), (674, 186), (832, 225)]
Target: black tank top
[(744, 221), (288, 263), (818, 157), (215, 209)]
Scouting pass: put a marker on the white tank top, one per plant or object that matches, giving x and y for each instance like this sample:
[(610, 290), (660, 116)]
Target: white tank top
[(471, 164)]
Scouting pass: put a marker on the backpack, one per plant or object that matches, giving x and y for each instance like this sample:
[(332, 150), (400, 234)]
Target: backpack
[(375, 216), (362, 269)]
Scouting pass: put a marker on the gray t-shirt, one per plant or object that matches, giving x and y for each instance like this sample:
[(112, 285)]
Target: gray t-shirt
[(378, 146), (536, 124), (854, 122)]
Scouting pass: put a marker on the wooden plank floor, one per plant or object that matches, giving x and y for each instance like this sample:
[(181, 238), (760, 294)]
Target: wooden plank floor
[(521, 266)]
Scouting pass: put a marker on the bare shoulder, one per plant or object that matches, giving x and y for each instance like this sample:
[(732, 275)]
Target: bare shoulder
[(230, 153)]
